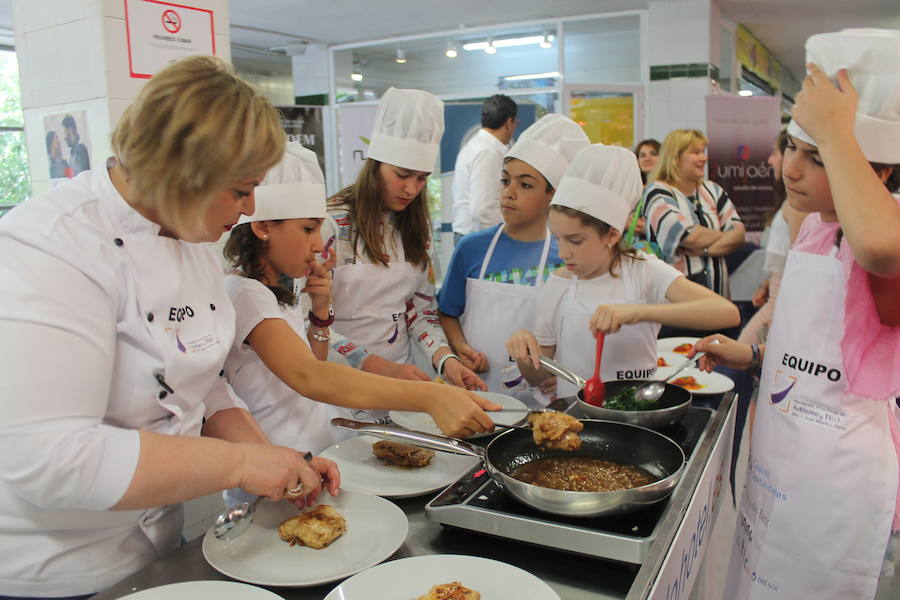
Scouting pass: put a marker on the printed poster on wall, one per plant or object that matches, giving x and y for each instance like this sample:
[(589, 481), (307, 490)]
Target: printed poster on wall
[(355, 124), (68, 144), (304, 124), (160, 32), (741, 133)]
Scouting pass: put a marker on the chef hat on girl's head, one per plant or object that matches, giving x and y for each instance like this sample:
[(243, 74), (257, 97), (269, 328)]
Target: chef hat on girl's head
[(872, 60), (549, 146), (408, 129), (603, 182), (292, 189)]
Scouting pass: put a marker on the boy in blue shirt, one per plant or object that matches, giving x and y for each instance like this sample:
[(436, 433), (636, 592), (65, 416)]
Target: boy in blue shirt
[(490, 289)]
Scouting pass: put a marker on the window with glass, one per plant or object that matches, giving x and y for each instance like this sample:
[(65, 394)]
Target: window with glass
[(15, 180)]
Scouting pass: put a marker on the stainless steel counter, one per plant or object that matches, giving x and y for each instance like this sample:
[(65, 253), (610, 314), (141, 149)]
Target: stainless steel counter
[(573, 577)]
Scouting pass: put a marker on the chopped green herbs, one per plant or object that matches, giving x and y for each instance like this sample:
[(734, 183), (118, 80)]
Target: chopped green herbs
[(624, 400)]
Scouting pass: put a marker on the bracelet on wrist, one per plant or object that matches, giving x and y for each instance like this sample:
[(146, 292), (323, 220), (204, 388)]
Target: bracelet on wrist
[(706, 251), (320, 335), (755, 362), (444, 359), (322, 322)]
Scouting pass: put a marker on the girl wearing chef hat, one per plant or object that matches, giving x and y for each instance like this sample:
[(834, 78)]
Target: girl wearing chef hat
[(605, 286), (492, 283), (121, 327), (820, 514), (383, 279), (274, 364)]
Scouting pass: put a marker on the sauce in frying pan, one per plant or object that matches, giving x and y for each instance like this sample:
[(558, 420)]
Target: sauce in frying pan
[(582, 474)]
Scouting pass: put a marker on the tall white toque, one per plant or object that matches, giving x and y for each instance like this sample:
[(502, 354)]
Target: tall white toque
[(408, 129), (872, 60), (549, 146), (292, 189), (603, 182)]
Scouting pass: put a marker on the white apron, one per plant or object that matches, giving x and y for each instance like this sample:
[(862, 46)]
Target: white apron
[(494, 311), (194, 339), (370, 309), (821, 487), (628, 354)]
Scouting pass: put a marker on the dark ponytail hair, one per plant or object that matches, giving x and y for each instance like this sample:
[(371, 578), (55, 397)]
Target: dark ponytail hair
[(243, 251)]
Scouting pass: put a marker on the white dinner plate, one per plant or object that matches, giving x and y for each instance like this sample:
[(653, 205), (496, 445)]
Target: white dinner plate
[(375, 529), (423, 422), (409, 578), (204, 590), (711, 383), (669, 344), (362, 472), (671, 359)]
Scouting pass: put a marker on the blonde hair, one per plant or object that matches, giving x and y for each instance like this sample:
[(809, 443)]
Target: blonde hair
[(673, 146), (194, 128)]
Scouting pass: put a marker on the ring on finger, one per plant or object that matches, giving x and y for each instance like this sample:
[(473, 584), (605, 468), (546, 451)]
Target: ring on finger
[(295, 492)]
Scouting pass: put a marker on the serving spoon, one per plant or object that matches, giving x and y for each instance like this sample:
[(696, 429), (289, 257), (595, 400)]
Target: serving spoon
[(652, 390), (232, 522), (593, 387)]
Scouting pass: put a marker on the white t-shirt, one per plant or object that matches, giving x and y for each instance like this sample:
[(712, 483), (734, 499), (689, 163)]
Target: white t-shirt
[(778, 244), (95, 302), (286, 417), (651, 276), (476, 183)]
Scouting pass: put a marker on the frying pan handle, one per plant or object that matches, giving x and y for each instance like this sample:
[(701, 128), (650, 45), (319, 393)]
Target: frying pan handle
[(557, 369), (417, 438)]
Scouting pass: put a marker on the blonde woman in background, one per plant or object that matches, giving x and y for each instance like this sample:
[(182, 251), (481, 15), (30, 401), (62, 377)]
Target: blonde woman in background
[(122, 325)]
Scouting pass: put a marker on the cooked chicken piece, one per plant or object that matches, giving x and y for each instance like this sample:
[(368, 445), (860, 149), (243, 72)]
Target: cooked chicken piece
[(451, 591), (402, 455), (556, 430), (315, 528)]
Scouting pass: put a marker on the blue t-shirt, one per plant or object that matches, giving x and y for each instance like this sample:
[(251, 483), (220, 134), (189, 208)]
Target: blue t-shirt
[(512, 262)]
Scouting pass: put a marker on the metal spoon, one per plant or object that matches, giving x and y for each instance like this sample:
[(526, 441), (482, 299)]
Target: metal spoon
[(652, 390), (232, 522)]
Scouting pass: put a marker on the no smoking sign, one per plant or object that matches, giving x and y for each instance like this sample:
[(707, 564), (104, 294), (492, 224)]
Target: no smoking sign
[(171, 21)]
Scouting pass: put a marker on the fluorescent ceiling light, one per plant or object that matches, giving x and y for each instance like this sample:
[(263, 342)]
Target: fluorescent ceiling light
[(490, 48), (548, 75), (508, 42), (745, 93)]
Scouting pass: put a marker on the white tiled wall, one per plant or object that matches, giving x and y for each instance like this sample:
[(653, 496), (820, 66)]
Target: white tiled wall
[(199, 514), (679, 31), (677, 104)]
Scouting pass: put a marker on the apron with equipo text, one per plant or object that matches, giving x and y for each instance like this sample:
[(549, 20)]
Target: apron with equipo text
[(821, 486), (628, 354), (494, 311), (370, 309)]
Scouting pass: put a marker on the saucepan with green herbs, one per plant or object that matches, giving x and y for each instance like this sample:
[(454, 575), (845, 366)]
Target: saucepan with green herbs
[(620, 405)]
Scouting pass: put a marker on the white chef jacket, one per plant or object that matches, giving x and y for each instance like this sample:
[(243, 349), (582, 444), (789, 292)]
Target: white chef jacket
[(476, 183), (287, 418), (77, 381)]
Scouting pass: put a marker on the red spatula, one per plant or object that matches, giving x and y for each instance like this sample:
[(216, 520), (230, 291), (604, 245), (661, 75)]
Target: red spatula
[(593, 387)]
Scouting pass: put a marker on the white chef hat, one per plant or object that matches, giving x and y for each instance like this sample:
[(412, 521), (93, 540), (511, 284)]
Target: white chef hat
[(603, 182), (872, 60), (549, 145), (292, 189), (408, 129)]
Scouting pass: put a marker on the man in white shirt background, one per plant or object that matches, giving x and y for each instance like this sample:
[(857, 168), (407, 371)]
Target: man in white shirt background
[(476, 183)]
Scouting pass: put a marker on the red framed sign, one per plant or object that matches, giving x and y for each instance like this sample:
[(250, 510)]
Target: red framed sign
[(159, 32)]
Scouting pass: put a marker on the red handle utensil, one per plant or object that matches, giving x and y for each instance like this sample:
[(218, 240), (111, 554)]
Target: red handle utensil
[(593, 387)]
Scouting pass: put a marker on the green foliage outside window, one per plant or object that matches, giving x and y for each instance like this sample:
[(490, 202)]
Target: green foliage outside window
[(15, 180)]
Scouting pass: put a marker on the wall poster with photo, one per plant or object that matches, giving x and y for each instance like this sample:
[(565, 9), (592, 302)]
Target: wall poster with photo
[(68, 144)]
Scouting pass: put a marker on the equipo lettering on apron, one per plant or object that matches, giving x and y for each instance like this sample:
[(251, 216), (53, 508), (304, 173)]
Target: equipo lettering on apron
[(493, 312), (817, 506)]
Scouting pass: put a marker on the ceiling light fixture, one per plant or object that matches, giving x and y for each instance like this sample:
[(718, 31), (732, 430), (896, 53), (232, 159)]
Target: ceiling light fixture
[(545, 41), (452, 50), (745, 93), (547, 75), (401, 56), (508, 42), (490, 48), (356, 75)]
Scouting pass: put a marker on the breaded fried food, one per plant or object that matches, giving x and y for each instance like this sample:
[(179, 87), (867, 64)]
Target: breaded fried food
[(315, 528), (451, 591), (402, 455), (556, 430)]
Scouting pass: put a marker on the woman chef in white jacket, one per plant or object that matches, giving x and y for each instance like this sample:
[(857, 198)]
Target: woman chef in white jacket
[(120, 326), (820, 512), (383, 279)]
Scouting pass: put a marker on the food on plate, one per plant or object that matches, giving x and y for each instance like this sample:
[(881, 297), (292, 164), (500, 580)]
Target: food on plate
[(556, 430), (451, 591), (402, 455), (624, 400), (689, 383), (683, 348), (582, 474), (315, 528), (661, 362)]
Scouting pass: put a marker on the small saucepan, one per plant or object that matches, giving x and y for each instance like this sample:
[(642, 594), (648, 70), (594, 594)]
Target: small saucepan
[(673, 404), (607, 440)]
